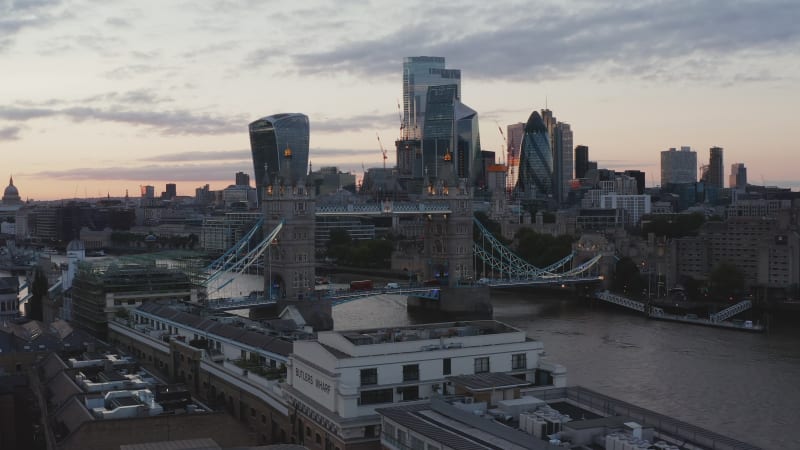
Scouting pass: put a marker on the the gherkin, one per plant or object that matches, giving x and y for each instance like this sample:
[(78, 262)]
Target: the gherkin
[(536, 161)]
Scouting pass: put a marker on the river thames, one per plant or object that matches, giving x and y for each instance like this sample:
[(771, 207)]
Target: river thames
[(740, 384)]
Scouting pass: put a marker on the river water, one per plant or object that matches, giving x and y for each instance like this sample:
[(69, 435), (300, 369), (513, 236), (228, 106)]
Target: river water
[(743, 385)]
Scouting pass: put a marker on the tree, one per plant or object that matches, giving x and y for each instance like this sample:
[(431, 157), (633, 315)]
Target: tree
[(38, 294), (339, 244), (540, 249)]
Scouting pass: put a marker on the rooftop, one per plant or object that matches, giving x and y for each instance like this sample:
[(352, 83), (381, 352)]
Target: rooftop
[(426, 331), (252, 335)]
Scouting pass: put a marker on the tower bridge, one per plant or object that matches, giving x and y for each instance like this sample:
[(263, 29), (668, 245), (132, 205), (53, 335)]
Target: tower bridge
[(449, 248)]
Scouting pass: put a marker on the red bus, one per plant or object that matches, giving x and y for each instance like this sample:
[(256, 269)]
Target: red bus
[(361, 285)]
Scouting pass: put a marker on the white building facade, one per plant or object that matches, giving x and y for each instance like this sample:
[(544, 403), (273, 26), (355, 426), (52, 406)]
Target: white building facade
[(336, 382)]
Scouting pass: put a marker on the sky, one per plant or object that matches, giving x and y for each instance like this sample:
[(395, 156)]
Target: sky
[(100, 97)]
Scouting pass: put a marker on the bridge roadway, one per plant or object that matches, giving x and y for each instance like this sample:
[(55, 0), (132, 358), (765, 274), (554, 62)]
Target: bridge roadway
[(514, 282), (715, 320), (339, 296), (384, 208)]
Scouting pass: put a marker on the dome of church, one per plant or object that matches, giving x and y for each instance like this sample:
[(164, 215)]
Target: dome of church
[(11, 194)]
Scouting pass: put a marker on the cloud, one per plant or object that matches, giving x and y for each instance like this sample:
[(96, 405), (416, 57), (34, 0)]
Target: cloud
[(133, 70), (18, 15), (174, 172), (9, 133), (649, 39), (322, 153), (220, 155), (354, 123), (260, 57), (175, 122), (212, 49), (118, 22)]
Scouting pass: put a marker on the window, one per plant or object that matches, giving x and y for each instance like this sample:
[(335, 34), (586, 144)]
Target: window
[(519, 361), (409, 393), (376, 396), (446, 369), (369, 376), (411, 372), (308, 431), (482, 365), (388, 429), (416, 443), (318, 438)]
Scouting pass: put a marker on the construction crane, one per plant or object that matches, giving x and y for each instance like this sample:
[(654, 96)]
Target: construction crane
[(400, 115), (505, 143), (383, 150)]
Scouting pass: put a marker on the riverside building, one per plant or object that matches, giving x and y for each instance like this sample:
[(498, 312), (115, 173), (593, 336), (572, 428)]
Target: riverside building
[(336, 382)]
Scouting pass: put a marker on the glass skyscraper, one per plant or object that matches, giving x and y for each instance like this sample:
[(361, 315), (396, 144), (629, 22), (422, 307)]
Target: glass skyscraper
[(447, 118), (269, 137), (678, 166), (562, 160), (716, 171), (536, 161), (467, 156), (419, 74)]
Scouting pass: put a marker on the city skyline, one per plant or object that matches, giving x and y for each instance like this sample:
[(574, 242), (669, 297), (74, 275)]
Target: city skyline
[(99, 99)]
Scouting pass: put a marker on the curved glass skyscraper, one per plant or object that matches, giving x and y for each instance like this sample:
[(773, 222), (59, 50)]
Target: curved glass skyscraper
[(536, 161), (269, 137)]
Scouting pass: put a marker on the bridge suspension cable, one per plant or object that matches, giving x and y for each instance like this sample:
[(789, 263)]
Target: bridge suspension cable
[(501, 259), (231, 254), (236, 266)]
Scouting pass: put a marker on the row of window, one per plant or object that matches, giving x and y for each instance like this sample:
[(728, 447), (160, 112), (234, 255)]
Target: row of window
[(519, 361)]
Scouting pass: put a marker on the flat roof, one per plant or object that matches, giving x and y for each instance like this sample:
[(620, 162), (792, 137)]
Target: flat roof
[(371, 336)]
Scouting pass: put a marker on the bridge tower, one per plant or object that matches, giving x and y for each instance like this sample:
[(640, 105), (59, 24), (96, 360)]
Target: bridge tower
[(448, 237), (289, 262)]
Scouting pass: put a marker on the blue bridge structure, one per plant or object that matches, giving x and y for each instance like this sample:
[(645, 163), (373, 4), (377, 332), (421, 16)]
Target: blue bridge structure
[(500, 265), (442, 215)]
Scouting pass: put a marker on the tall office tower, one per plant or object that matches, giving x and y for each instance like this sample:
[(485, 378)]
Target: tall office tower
[(514, 134), (242, 179), (419, 74), (148, 191), (270, 137), (467, 157), (560, 136), (447, 118), (637, 175), (738, 177), (536, 161), (716, 171), (487, 160), (171, 191), (581, 161), (678, 166), (549, 122), (562, 160)]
